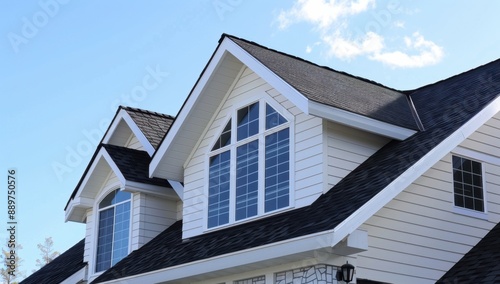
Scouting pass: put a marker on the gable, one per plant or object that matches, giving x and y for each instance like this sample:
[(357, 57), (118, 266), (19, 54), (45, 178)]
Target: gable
[(392, 115)]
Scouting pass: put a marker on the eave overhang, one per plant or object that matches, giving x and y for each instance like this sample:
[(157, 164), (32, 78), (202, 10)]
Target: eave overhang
[(169, 160), (101, 167), (124, 117)]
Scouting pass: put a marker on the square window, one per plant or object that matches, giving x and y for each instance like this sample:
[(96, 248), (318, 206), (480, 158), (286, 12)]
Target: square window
[(467, 184)]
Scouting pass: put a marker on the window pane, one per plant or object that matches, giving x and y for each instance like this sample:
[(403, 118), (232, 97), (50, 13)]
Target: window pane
[(114, 197), (277, 170), (104, 239), (273, 118), (247, 180), (218, 190), (121, 233), (225, 137), (248, 121), (467, 183)]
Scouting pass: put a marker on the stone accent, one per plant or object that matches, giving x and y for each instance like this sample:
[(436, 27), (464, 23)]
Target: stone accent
[(254, 280), (317, 274)]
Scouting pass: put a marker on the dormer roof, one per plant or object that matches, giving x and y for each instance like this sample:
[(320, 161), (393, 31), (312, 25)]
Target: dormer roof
[(112, 156)]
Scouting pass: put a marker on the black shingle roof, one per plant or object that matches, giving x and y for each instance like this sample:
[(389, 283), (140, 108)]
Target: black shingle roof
[(338, 89), (444, 106), (62, 267), (152, 124), (480, 265), (133, 164)]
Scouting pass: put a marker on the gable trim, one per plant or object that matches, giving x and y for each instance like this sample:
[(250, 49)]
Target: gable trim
[(123, 115), (226, 46), (79, 202), (359, 121), (360, 216)]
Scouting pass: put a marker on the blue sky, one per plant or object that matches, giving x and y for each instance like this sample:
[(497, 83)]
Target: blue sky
[(66, 65)]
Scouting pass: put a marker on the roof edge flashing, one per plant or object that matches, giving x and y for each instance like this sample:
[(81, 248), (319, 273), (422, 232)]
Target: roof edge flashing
[(360, 122)]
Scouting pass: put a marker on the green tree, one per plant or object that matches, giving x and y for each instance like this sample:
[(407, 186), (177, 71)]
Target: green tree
[(47, 252)]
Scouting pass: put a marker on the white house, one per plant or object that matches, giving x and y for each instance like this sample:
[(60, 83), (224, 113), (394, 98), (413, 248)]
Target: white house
[(277, 170)]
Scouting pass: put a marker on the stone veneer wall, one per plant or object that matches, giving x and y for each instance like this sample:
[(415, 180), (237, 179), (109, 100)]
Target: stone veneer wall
[(254, 280), (318, 274)]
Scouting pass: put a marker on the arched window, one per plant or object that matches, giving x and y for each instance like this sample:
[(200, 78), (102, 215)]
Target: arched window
[(259, 155), (114, 229)]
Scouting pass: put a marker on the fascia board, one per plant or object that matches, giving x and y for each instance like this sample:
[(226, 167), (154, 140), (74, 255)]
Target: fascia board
[(132, 186), (269, 76), (114, 167), (190, 102), (254, 255), (77, 277), (361, 215), (112, 127), (123, 114), (359, 121), (227, 45), (89, 173), (178, 187), (138, 133)]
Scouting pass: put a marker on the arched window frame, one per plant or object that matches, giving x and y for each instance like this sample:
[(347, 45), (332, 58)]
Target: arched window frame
[(126, 232), (232, 147)]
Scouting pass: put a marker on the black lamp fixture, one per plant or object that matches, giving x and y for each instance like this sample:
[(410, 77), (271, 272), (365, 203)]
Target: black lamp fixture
[(346, 272)]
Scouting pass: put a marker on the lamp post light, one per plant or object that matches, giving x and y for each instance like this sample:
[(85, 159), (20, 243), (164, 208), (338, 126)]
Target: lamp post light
[(346, 273)]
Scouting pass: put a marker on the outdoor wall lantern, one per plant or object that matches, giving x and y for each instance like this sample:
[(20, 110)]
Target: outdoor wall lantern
[(346, 272)]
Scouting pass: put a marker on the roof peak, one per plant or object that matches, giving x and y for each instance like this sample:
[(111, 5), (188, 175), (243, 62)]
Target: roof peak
[(232, 37), (134, 109)]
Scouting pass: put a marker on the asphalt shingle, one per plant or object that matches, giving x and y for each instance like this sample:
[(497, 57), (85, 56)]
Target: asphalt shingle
[(443, 110), (61, 268), (152, 124), (480, 265)]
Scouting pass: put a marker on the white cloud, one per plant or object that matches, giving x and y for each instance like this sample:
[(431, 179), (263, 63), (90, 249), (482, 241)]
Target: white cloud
[(320, 12), (343, 48), (331, 19), (428, 53)]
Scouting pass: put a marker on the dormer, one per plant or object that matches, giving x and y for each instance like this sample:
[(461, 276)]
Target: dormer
[(333, 122), (122, 207)]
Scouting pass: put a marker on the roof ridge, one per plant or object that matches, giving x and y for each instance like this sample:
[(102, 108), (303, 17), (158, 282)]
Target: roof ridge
[(413, 91), (314, 64), (134, 109)]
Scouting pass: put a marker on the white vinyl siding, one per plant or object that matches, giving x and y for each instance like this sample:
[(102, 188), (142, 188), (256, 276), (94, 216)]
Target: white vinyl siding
[(134, 143), (151, 216), (418, 236), (347, 149)]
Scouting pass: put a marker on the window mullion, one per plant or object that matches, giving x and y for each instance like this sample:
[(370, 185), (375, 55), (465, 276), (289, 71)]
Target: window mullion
[(232, 182), (113, 235), (262, 174)]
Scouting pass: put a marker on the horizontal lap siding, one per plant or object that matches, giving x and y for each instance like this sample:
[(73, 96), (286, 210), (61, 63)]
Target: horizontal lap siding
[(133, 143), (308, 151), (417, 236), (347, 149), (154, 216)]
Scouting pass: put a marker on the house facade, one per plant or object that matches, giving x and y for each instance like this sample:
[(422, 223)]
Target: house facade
[(277, 170)]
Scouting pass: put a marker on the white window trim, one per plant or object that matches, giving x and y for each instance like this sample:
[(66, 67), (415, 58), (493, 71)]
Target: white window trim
[(480, 158), (263, 98), (95, 218)]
